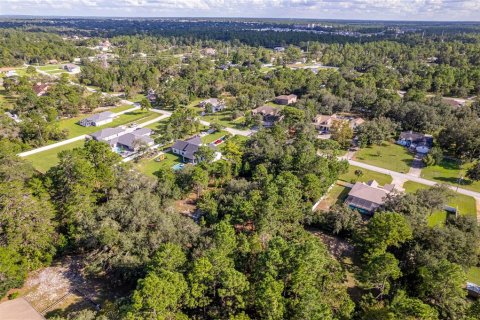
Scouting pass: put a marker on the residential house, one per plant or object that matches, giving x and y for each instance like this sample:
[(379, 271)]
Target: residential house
[(122, 138), (323, 123), (279, 49), (286, 99), (368, 197), (11, 73), (13, 116), (209, 51), (270, 115), (415, 141), (70, 67), (151, 95), (40, 89), (216, 104), (187, 149), (98, 119), (134, 140)]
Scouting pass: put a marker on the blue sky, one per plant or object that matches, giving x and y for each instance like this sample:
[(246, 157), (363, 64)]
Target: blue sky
[(448, 10)]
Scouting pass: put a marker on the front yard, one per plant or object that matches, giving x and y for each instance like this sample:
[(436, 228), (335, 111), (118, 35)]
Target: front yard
[(366, 176), (450, 171), (44, 160), (388, 155), (224, 118), (466, 205)]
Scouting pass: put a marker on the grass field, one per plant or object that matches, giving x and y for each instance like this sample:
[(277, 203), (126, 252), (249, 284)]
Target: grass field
[(337, 195), (388, 155), (368, 175), (224, 118), (52, 69), (150, 166), (6, 101), (75, 130), (214, 136), (43, 161), (449, 171), (466, 205), (473, 275)]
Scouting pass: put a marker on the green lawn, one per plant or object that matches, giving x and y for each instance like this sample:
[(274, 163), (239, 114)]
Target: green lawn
[(224, 118), (449, 171), (214, 136), (52, 69), (75, 129), (150, 166), (466, 205), (368, 175), (388, 155), (6, 101), (43, 161), (336, 195), (473, 275)]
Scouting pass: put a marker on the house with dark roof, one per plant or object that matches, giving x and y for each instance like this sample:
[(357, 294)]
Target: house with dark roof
[(215, 104), (187, 149), (368, 197), (270, 115), (98, 119), (286, 99), (415, 141)]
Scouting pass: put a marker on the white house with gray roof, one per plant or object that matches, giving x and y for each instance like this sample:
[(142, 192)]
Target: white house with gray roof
[(216, 104), (98, 119), (122, 138)]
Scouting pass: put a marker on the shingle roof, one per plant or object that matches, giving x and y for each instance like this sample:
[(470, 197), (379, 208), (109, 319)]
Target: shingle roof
[(101, 116), (130, 139), (189, 146), (107, 132), (368, 196), (417, 138)]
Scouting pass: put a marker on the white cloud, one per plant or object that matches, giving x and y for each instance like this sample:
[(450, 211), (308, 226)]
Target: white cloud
[(344, 9)]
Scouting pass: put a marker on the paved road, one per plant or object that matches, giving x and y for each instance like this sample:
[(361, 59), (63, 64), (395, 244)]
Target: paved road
[(404, 176)]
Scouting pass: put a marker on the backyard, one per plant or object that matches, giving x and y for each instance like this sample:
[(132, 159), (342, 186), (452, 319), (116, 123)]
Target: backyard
[(450, 171), (150, 166), (465, 205), (388, 155), (75, 130), (224, 118), (473, 275), (336, 195), (366, 175)]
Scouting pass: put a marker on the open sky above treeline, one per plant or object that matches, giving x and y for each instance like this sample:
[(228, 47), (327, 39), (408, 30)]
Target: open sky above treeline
[(422, 10)]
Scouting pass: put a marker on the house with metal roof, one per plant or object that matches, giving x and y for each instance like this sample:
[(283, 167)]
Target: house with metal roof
[(98, 119), (368, 197)]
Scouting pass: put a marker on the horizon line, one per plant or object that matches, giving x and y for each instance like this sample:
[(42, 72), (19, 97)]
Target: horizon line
[(13, 16)]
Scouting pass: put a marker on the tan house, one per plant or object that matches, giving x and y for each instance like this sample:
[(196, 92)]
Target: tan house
[(40, 89), (286, 99), (367, 197), (270, 115), (324, 123)]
